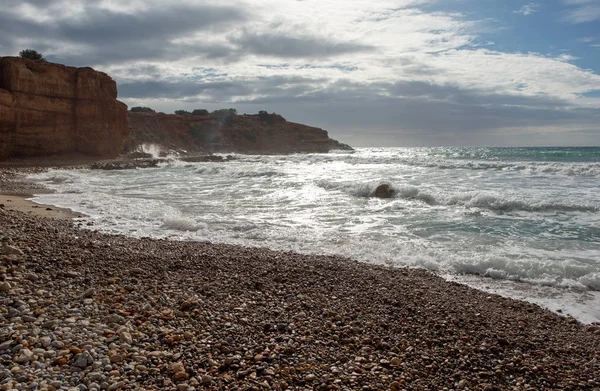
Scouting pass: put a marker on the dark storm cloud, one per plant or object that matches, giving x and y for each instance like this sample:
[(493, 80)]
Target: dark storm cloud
[(101, 26), (216, 91), (277, 45), (106, 36)]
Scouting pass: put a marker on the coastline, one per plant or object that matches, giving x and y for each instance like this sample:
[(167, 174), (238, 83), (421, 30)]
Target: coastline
[(16, 193), (114, 312), (24, 204)]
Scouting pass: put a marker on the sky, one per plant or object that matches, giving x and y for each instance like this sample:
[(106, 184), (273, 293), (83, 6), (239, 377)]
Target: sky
[(372, 73)]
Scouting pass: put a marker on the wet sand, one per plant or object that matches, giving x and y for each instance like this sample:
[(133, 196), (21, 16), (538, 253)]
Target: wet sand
[(25, 205)]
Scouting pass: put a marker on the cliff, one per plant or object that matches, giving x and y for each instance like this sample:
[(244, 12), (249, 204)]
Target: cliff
[(51, 109), (253, 134)]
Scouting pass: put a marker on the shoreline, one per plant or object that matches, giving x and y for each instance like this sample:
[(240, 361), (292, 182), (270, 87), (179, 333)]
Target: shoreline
[(24, 204), (114, 312), (16, 192)]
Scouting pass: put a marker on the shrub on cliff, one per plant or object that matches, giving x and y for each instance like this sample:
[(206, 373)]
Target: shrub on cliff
[(270, 118), (32, 55), (140, 109), (182, 112), (224, 115), (200, 112)]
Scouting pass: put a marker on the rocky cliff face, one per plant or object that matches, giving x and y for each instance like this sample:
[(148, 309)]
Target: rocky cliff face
[(50, 109), (270, 134)]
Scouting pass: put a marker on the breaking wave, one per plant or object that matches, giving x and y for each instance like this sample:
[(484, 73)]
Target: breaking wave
[(480, 200)]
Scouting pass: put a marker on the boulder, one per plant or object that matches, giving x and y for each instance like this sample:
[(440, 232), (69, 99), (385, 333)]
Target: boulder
[(383, 191)]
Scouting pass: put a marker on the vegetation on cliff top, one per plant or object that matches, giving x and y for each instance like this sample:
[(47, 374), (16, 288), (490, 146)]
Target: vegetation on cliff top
[(32, 55), (221, 115), (140, 109)]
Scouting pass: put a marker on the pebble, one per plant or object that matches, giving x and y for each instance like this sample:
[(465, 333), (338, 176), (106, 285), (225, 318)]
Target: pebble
[(255, 319)]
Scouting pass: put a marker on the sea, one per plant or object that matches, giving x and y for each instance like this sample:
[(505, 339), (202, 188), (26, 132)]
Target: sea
[(519, 222)]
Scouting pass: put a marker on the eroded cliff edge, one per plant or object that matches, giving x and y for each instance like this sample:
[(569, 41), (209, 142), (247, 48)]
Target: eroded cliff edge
[(52, 109), (252, 134)]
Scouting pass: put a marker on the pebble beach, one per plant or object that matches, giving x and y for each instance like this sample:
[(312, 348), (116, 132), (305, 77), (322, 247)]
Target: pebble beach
[(81, 310)]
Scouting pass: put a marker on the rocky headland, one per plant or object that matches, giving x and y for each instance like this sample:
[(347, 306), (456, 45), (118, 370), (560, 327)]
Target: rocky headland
[(51, 109), (252, 134)]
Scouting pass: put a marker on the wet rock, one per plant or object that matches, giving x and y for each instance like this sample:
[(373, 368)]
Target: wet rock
[(383, 191)]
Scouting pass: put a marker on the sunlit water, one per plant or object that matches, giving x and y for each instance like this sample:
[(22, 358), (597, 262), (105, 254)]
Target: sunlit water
[(528, 219)]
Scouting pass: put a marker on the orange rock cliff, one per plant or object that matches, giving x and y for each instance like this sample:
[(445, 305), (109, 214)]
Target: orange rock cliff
[(52, 109), (253, 134)]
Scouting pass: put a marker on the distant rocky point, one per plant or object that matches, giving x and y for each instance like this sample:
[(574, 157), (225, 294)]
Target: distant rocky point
[(49, 109), (251, 134)]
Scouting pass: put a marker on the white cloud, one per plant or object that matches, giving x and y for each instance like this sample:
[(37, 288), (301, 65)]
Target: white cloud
[(409, 45), (278, 51), (528, 9), (582, 11)]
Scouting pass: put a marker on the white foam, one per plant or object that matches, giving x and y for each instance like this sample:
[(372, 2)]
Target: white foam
[(504, 221)]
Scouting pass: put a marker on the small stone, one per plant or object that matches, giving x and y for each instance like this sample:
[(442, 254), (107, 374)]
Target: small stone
[(176, 367), (25, 356), (10, 250), (115, 318), (89, 293), (115, 386), (395, 362), (32, 277), (206, 379), (4, 286), (124, 336), (58, 344), (182, 375), (6, 344), (183, 387), (82, 360), (310, 377), (51, 324)]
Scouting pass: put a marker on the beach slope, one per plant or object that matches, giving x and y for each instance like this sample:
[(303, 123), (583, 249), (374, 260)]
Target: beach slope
[(111, 312)]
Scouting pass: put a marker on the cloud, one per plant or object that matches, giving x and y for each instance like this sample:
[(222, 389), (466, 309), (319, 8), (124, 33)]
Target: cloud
[(412, 65), (302, 46), (528, 9), (103, 35), (582, 11)]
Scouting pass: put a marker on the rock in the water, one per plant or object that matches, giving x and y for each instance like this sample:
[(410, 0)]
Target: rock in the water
[(383, 191)]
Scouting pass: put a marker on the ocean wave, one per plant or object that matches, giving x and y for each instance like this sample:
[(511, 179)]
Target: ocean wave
[(181, 224), (562, 273), (236, 171), (480, 200), (576, 169)]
